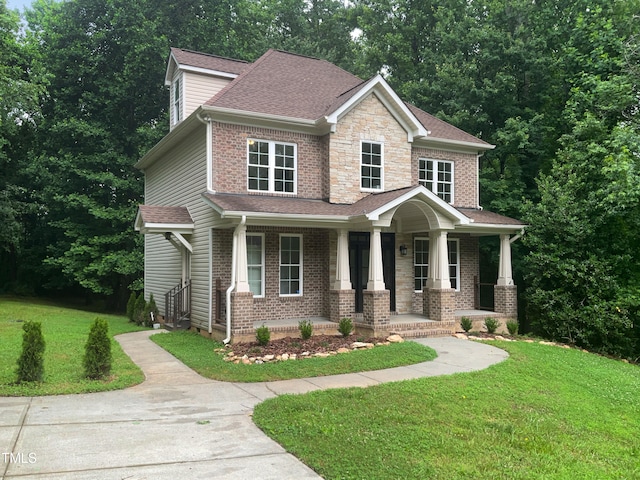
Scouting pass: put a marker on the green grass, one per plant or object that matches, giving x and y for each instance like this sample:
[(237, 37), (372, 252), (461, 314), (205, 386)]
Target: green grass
[(65, 332), (198, 353), (546, 412)]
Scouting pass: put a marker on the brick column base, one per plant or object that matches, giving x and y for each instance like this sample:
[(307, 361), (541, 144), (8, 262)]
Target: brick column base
[(505, 300), (376, 313), (342, 304), (241, 313), (439, 304)]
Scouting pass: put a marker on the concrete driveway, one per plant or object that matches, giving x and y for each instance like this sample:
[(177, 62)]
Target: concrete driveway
[(177, 424)]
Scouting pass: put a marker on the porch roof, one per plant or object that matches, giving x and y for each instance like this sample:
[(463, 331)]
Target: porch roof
[(161, 219), (274, 210)]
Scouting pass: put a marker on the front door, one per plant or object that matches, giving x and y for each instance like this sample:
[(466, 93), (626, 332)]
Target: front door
[(359, 243)]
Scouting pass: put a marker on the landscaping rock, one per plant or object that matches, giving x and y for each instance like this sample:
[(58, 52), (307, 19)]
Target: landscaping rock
[(395, 339)]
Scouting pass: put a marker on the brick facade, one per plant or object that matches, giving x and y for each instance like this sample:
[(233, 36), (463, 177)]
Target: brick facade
[(342, 304), (439, 304), (506, 300)]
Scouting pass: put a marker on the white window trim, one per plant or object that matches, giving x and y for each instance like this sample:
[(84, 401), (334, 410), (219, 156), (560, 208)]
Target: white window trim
[(381, 189), (300, 265), (435, 182), (262, 264), (272, 166), (177, 103), (414, 260), (457, 265)]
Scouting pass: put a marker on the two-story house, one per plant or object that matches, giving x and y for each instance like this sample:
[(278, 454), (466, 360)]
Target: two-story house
[(290, 189)]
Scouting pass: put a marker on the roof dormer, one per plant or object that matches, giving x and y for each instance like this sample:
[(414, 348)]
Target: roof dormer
[(193, 78)]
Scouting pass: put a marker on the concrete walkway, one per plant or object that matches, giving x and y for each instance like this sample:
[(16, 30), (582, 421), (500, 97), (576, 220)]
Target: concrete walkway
[(177, 424)]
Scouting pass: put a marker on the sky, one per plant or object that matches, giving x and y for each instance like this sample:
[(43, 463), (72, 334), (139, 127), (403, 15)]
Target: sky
[(19, 4)]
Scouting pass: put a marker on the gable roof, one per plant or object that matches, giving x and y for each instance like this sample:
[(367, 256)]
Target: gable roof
[(203, 63), (156, 218)]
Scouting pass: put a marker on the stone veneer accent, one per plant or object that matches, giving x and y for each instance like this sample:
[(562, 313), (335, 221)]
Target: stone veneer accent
[(506, 300), (368, 121), (439, 304)]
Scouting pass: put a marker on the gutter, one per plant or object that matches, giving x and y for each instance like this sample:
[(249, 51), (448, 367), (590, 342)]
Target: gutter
[(234, 254)]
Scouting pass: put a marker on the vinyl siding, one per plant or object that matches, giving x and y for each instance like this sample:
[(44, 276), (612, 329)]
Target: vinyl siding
[(200, 88), (179, 179)]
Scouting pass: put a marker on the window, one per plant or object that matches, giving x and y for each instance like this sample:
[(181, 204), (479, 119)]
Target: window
[(271, 166), (371, 166), (290, 265), (255, 263), (421, 262), (437, 176), (177, 94)]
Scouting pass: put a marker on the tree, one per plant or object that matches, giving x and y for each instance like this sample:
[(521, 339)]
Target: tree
[(31, 360), (97, 352)]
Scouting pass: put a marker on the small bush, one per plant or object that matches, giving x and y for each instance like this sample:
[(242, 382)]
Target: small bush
[(138, 309), (97, 351), (345, 327), (492, 324), (149, 308), (31, 360), (263, 335), (512, 327), (131, 305), (466, 324), (306, 329)]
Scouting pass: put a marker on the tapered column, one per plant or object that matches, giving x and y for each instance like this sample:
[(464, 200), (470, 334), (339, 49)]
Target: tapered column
[(343, 274), (376, 273), (438, 260), (242, 276), (505, 276)]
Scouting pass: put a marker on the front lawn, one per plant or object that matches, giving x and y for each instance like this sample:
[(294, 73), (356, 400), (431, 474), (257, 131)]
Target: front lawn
[(65, 332), (197, 353), (546, 412)]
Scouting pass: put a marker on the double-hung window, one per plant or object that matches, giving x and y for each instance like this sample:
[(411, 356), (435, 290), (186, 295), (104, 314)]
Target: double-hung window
[(371, 166), (255, 263), (421, 262), (437, 176), (271, 166), (290, 265)]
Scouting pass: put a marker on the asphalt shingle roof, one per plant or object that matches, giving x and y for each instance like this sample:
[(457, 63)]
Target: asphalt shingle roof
[(164, 214), (209, 62)]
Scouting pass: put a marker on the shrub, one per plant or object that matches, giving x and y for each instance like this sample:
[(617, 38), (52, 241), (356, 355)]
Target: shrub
[(138, 309), (306, 329), (466, 324), (31, 360), (97, 351), (512, 326), (131, 305), (492, 324), (263, 335), (345, 327), (149, 308)]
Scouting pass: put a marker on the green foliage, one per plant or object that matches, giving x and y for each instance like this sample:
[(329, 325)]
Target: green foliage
[(512, 327), (131, 305), (149, 308), (31, 360), (306, 329), (138, 309), (492, 324), (466, 324), (97, 357), (263, 335), (345, 327)]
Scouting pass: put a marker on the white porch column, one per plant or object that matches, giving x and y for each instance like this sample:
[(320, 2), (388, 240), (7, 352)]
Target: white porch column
[(505, 276), (343, 274), (438, 260), (242, 276), (376, 274)]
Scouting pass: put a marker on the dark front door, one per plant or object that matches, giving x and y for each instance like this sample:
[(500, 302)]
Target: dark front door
[(359, 243)]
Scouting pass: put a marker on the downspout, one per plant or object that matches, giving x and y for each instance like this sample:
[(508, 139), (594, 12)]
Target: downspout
[(208, 122), (210, 279), (234, 254)]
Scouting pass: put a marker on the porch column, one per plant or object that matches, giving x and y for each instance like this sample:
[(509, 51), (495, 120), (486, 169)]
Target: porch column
[(242, 276), (437, 296), (505, 277), (376, 274), (438, 260), (343, 274)]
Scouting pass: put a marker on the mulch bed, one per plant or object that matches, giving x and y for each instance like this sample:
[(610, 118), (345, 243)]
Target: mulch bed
[(316, 344)]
